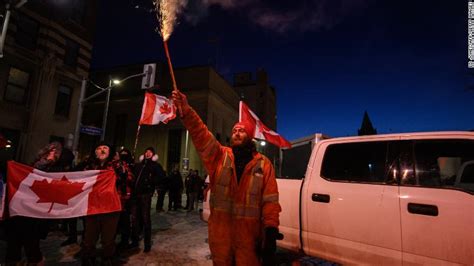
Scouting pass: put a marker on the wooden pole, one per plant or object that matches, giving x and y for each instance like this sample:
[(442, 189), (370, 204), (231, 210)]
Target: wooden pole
[(170, 65), (175, 87)]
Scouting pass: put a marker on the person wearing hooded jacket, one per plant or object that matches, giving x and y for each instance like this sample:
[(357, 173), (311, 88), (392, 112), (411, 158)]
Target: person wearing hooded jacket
[(244, 219), (147, 174)]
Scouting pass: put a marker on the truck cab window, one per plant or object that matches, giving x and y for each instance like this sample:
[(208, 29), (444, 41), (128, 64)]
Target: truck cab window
[(445, 163), (364, 162)]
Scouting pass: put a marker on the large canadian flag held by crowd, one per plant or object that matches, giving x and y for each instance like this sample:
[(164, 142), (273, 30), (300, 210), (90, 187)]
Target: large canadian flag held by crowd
[(157, 109), (34, 193), (261, 131)]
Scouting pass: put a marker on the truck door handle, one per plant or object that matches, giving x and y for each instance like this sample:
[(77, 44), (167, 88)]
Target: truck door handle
[(423, 209), (321, 198)]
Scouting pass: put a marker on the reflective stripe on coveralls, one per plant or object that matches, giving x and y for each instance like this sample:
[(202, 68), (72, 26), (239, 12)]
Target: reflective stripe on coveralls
[(239, 211)]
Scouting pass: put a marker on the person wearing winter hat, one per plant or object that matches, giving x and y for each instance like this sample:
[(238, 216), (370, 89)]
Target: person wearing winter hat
[(148, 173), (243, 225), (103, 225)]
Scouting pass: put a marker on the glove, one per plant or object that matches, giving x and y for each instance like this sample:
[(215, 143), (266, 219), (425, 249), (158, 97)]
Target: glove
[(181, 102), (269, 246)]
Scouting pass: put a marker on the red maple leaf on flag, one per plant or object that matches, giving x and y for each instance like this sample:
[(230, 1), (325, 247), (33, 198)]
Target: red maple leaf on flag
[(165, 109), (58, 191)]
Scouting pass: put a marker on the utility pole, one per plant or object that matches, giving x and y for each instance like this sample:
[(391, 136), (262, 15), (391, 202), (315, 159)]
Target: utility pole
[(6, 20), (79, 116), (106, 110)]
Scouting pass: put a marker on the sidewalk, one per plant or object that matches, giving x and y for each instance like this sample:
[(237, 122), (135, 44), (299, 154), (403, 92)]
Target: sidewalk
[(179, 238)]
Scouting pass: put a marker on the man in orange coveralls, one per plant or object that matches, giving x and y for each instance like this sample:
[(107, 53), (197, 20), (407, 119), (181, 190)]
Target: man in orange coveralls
[(243, 225)]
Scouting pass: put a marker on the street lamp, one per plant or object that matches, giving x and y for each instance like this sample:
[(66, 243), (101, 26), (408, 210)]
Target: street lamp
[(148, 73)]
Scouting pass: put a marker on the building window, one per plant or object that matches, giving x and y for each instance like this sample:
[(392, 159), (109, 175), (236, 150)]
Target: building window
[(63, 101), (27, 32), (72, 52), (17, 86)]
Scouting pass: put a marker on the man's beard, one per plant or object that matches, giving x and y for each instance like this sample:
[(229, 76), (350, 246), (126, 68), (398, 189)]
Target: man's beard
[(246, 146), (243, 154)]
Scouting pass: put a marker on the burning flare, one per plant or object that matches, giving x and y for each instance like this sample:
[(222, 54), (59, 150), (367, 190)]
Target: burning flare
[(167, 12)]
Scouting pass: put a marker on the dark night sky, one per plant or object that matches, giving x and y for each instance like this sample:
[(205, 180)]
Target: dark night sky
[(404, 62)]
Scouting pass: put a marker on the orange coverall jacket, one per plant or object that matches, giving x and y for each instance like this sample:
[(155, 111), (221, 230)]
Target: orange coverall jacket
[(239, 211)]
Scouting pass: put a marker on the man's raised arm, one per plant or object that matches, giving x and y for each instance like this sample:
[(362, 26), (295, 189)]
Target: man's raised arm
[(206, 144)]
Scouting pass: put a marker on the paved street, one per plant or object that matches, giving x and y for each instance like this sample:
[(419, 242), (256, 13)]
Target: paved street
[(179, 238)]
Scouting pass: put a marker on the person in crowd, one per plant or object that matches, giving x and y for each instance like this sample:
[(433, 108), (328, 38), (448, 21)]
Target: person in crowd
[(26, 232), (175, 188), (192, 189), (103, 225), (186, 184), (125, 161), (203, 189), (244, 219), (162, 187), (147, 174), (179, 192), (66, 159)]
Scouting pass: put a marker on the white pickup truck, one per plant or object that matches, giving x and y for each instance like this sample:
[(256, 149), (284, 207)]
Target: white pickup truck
[(398, 199)]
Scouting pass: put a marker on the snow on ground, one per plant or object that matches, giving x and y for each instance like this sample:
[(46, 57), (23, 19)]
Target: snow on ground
[(179, 238)]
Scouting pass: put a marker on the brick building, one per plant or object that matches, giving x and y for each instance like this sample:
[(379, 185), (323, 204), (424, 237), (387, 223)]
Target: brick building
[(47, 52)]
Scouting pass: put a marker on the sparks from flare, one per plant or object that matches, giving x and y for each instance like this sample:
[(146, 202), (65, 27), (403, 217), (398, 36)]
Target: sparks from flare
[(166, 12)]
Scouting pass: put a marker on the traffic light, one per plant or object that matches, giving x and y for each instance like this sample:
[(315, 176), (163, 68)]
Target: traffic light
[(148, 79)]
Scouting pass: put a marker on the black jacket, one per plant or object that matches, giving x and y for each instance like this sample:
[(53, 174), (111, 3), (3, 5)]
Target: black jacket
[(175, 181), (148, 174)]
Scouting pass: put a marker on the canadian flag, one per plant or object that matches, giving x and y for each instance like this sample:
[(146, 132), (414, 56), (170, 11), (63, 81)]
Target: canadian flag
[(157, 109), (261, 131), (38, 194)]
